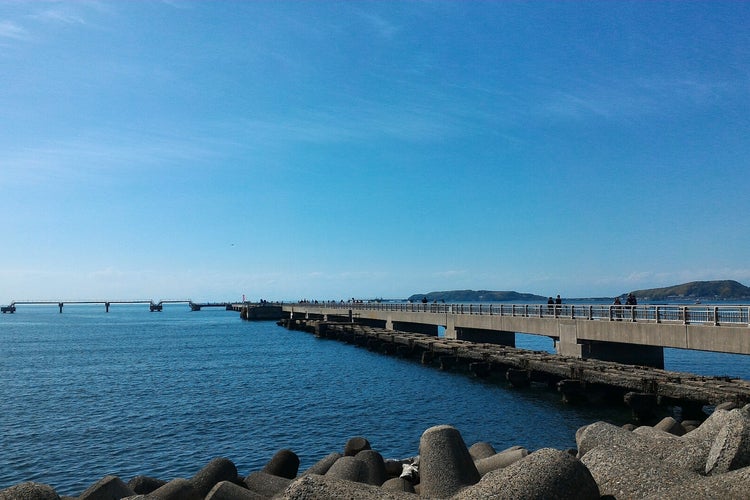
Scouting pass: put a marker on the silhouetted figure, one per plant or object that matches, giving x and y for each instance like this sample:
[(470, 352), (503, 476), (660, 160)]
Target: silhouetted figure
[(630, 301), (618, 309)]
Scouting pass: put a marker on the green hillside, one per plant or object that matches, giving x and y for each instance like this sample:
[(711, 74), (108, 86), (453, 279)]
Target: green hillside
[(475, 296), (695, 290)]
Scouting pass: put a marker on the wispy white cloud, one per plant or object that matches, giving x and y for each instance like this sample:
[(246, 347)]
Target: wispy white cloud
[(13, 31), (100, 156), (381, 26), (60, 14), (631, 98), (178, 4), (365, 123)]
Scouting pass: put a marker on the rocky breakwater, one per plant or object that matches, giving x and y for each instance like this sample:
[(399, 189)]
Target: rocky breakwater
[(670, 460)]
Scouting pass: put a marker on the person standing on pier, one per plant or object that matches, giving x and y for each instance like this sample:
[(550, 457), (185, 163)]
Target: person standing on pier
[(558, 305), (630, 301), (550, 305), (618, 309)]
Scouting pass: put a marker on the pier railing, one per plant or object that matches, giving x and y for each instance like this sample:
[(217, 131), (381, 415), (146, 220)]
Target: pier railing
[(730, 315)]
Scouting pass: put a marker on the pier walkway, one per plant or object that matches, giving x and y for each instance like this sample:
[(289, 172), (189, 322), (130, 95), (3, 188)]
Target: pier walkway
[(626, 334)]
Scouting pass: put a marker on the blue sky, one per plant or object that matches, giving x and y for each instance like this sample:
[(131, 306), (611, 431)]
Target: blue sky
[(328, 150)]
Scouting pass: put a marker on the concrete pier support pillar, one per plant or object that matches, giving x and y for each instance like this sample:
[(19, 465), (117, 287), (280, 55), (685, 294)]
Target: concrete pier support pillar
[(450, 327), (389, 323), (487, 336), (629, 354), (518, 378), (643, 405), (60, 305), (425, 329), (106, 306)]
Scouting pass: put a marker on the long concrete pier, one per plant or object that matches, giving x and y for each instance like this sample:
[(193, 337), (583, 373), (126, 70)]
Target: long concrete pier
[(154, 306), (626, 334)]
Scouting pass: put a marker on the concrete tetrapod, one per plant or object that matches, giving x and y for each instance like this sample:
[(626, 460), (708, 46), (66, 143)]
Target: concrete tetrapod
[(285, 463), (481, 450), (355, 445), (375, 466), (348, 468), (30, 490), (731, 447), (544, 474), (217, 470), (445, 463), (266, 485), (106, 488)]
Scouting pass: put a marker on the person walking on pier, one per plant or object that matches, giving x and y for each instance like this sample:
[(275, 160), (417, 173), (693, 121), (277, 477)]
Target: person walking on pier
[(558, 305), (550, 305)]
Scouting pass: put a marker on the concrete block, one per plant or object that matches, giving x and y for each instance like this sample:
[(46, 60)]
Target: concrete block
[(547, 473), (445, 463), (107, 488), (375, 473), (398, 484), (710, 427), (668, 449), (226, 490), (349, 469), (321, 466), (654, 433), (29, 491), (670, 425), (590, 436), (176, 489), (735, 484), (266, 485), (500, 460), (731, 448), (144, 485), (355, 445), (285, 463), (624, 472), (217, 470), (690, 425), (313, 486), (726, 405), (481, 450)]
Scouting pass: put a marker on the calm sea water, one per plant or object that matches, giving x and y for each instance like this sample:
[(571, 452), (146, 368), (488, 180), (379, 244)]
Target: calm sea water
[(87, 393)]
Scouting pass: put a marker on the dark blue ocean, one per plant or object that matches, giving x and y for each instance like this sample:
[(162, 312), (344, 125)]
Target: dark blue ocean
[(87, 393)]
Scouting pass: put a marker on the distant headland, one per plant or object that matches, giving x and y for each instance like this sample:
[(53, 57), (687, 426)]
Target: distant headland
[(697, 290), (694, 290), (475, 296)]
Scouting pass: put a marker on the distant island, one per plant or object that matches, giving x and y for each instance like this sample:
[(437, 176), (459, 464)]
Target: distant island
[(697, 290), (474, 296), (693, 291)]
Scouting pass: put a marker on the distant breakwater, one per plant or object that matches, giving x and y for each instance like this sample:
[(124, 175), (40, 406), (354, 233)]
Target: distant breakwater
[(671, 460), (648, 392)]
